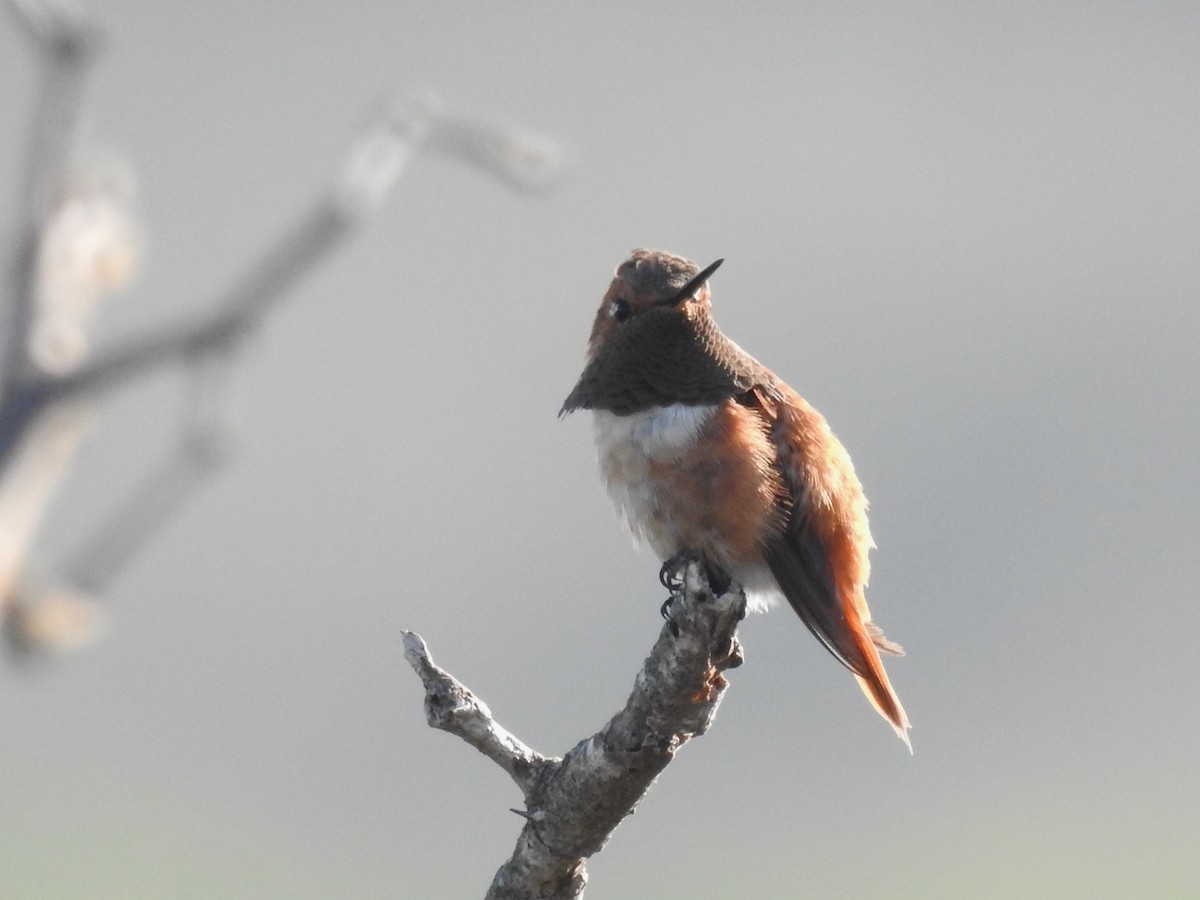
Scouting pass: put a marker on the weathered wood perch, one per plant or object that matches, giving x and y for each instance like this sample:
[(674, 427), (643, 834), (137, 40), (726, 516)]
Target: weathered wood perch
[(573, 803)]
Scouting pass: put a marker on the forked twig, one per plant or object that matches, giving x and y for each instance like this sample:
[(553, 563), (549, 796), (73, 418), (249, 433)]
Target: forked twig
[(573, 804)]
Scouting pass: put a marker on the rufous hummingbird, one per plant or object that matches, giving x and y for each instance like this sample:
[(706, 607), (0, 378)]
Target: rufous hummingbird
[(708, 453)]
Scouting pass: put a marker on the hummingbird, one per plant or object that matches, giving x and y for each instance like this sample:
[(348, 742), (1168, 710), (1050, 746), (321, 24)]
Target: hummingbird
[(708, 454)]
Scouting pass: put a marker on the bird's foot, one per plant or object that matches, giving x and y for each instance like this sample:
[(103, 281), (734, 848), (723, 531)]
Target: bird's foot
[(671, 574), (671, 577), (665, 612)]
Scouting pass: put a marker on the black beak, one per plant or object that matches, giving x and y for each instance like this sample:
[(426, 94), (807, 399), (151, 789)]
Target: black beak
[(690, 289)]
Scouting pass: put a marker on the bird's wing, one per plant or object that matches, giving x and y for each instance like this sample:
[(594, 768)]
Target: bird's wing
[(819, 559)]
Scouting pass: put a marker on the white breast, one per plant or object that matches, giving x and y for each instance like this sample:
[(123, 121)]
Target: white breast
[(627, 445), (659, 433)]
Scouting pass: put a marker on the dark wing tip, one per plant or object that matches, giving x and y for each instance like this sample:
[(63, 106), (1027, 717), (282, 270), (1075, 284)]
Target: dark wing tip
[(802, 571)]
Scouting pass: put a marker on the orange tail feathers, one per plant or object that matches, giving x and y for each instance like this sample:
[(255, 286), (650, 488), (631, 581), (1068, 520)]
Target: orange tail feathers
[(876, 686)]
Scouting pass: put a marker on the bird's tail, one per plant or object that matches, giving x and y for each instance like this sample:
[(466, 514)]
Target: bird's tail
[(875, 684), (837, 618)]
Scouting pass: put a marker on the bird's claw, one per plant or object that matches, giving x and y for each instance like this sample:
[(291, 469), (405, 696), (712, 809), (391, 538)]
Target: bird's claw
[(665, 609), (673, 570), (665, 612), (671, 574)]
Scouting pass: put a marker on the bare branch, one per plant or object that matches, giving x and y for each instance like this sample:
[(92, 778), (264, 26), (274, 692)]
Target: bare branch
[(34, 470), (60, 27), (68, 42), (242, 310), (372, 165), (450, 706), (163, 492), (574, 804), (47, 618), (526, 161)]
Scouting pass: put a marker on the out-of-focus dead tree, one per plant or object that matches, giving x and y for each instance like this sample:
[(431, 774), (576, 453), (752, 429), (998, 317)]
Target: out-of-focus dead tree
[(77, 242)]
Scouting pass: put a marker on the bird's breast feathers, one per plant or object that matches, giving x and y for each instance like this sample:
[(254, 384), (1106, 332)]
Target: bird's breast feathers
[(694, 478), (631, 449), (662, 432)]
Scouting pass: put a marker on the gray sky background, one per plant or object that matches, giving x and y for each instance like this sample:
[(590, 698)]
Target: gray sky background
[(969, 233)]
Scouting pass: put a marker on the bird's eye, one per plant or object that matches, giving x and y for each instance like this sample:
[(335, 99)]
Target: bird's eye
[(620, 310)]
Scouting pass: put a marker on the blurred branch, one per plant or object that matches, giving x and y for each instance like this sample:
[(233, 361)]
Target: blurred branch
[(35, 471), (372, 164), (524, 160), (202, 448), (77, 243), (68, 43), (573, 804)]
